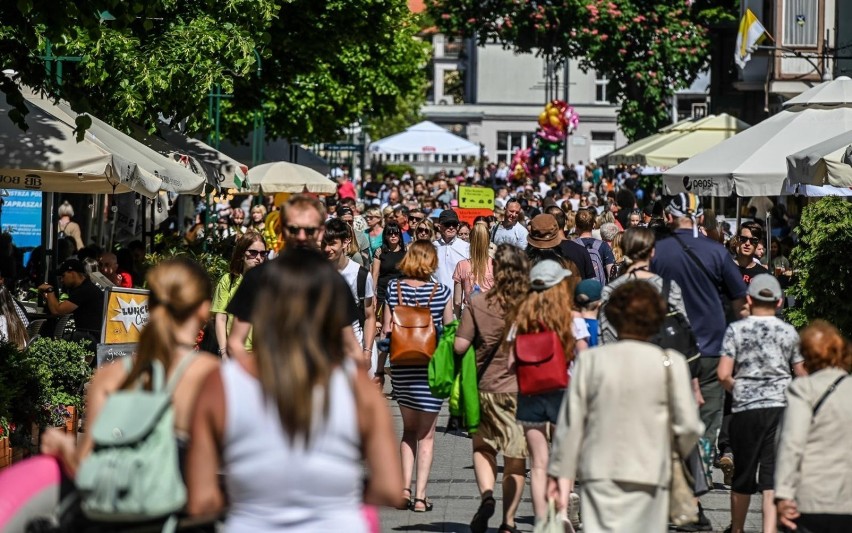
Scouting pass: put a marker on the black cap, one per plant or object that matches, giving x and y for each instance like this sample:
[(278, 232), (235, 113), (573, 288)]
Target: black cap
[(448, 215), (72, 265)]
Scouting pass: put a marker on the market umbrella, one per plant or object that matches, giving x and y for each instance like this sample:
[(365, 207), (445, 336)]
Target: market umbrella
[(753, 163), (677, 142), (288, 177), (425, 138), (825, 163), (219, 170), (48, 158)]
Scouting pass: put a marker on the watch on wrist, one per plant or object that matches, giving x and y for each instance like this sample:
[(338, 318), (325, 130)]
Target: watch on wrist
[(48, 290)]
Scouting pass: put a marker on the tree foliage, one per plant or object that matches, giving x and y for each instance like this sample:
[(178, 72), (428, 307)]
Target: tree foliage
[(824, 273), (647, 48), (313, 67)]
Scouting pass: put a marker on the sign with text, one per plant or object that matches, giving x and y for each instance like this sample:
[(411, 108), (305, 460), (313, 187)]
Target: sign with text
[(126, 314), (107, 353), (22, 217), (476, 198), (469, 215)]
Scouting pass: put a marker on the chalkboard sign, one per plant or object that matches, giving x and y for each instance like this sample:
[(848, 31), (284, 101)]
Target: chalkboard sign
[(107, 353)]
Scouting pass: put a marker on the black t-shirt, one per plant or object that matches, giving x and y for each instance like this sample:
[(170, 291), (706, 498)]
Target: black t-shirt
[(89, 299), (578, 254), (242, 304), (751, 271)]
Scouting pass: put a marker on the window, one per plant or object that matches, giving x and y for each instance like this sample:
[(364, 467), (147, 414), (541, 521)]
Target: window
[(509, 141), (801, 24), (699, 110), (608, 136), (601, 83)]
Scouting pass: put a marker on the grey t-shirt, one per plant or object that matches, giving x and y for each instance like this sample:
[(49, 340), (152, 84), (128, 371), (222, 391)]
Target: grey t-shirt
[(764, 350)]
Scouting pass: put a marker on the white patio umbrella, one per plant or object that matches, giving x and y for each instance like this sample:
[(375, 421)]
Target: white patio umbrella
[(825, 163), (282, 176), (425, 138), (48, 158), (753, 163)]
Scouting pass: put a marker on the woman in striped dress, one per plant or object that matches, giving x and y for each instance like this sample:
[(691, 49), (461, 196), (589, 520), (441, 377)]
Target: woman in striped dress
[(410, 383)]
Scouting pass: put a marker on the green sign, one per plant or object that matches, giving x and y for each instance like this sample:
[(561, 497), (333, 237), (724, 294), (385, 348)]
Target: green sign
[(476, 198)]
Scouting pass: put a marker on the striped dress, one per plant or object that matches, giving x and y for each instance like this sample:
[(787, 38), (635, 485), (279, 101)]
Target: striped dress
[(411, 383)]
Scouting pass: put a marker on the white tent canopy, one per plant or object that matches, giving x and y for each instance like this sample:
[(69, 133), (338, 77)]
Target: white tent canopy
[(825, 163), (282, 176), (425, 138), (753, 163)]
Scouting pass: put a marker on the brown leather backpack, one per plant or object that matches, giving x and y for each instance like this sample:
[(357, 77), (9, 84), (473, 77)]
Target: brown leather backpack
[(413, 335)]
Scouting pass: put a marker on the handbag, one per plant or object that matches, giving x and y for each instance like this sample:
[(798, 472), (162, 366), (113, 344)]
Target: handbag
[(540, 362), (413, 334), (683, 507)]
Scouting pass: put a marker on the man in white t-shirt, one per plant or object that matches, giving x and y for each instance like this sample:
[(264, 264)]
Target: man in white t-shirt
[(451, 250), (336, 242), (511, 231)]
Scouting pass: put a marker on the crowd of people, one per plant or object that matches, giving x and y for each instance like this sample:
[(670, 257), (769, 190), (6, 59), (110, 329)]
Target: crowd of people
[(569, 297)]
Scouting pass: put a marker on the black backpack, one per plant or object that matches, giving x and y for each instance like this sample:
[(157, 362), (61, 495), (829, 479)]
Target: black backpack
[(675, 333)]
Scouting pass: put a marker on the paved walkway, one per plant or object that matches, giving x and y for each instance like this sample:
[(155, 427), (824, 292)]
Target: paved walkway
[(452, 487)]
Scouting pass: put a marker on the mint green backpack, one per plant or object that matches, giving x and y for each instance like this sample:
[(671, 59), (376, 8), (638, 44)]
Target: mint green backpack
[(133, 474)]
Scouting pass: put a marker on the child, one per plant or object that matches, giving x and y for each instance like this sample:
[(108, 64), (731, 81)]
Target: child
[(587, 299), (758, 353)]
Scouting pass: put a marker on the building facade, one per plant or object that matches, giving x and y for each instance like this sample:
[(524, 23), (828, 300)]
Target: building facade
[(493, 96)]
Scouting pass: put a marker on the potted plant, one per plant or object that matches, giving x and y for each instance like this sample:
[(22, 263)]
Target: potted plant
[(20, 402), (5, 447), (63, 370)]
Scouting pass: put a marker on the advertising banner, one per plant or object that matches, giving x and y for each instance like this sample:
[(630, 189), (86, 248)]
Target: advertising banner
[(126, 314), (21, 216)]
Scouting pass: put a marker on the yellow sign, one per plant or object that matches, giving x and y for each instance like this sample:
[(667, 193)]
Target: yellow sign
[(476, 198), (126, 315)]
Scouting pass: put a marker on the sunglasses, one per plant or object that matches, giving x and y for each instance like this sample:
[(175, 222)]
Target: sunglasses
[(373, 216), (450, 225), (251, 254), (753, 240), (394, 233), (424, 231), (309, 230), (416, 219)]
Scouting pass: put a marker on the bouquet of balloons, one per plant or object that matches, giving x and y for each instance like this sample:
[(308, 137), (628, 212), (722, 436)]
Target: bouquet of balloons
[(556, 123)]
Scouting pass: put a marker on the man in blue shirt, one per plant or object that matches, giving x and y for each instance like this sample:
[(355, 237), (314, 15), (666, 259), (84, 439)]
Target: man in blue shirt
[(706, 274)]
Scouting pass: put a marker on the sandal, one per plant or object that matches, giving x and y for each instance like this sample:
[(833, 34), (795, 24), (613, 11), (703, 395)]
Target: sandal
[(507, 528), (427, 505), (409, 505), (479, 524)]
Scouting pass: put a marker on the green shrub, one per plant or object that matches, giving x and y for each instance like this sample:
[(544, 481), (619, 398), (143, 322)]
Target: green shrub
[(62, 368), (823, 288)]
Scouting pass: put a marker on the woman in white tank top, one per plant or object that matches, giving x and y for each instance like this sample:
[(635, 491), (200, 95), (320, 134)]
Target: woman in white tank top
[(287, 425)]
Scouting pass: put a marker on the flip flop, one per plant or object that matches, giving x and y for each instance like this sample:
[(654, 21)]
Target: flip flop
[(479, 524)]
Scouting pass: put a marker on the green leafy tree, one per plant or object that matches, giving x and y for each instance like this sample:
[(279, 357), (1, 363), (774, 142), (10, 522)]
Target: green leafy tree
[(824, 273), (648, 49), (323, 65)]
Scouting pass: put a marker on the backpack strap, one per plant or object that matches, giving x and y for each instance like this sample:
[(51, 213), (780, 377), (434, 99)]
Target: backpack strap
[(179, 371), (827, 393), (432, 295), (361, 289)]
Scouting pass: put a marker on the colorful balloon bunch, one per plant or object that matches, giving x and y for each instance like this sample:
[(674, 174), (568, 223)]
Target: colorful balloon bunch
[(556, 123)]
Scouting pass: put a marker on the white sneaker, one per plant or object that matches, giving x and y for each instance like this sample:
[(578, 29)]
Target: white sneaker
[(574, 510)]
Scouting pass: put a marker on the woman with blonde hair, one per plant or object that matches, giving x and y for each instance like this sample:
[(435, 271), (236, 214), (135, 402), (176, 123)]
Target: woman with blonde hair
[(258, 218), (425, 230), (483, 325), (411, 383), (67, 227), (375, 227), (813, 473), (249, 252), (290, 426), (547, 307), (178, 306), (477, 273)]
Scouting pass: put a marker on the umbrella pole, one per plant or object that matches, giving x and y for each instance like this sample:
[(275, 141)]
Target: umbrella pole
[(47, 233), (739, 213)]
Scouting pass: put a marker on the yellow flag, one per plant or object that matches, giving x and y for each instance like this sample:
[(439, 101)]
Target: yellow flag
[(750, 35)]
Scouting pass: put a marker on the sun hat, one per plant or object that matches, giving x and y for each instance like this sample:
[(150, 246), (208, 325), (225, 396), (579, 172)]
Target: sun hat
[(765, 288), (546, 274), (544, 232)]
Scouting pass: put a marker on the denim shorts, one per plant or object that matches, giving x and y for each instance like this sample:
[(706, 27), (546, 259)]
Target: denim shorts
[(539, 409)]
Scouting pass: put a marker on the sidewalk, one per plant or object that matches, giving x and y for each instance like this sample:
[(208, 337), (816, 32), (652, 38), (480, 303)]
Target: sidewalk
[(452, 488)]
